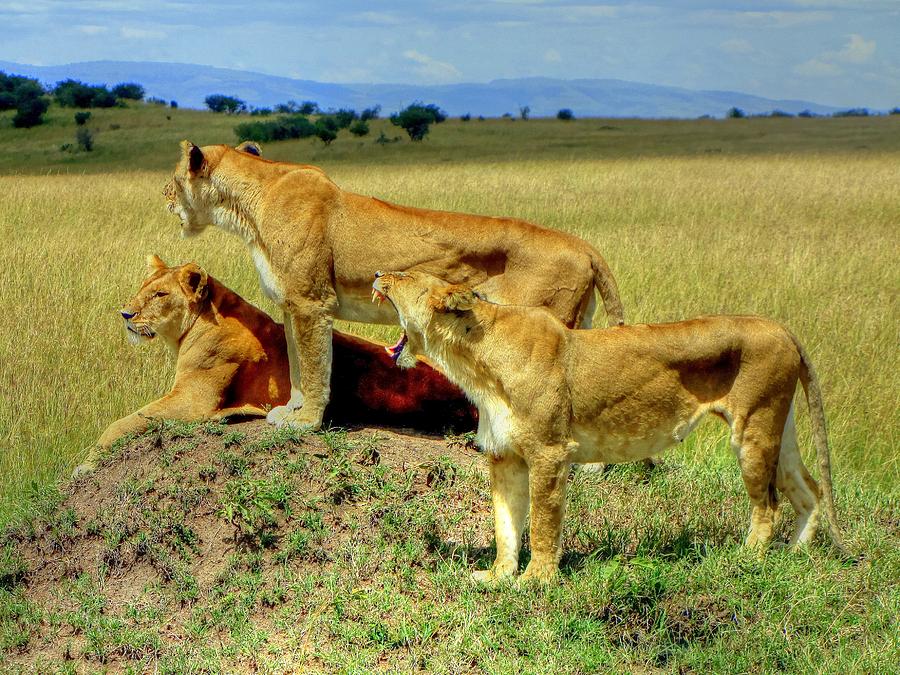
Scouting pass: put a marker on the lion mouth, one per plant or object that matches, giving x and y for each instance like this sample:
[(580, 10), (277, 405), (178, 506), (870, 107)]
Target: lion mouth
[(137, 333)]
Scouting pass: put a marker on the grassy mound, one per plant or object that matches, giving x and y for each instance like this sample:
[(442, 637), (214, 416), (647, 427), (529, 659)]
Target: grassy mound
[(212, 547)]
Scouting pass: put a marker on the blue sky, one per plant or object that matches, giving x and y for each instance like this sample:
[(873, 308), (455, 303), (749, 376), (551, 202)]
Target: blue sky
[(839, 52)]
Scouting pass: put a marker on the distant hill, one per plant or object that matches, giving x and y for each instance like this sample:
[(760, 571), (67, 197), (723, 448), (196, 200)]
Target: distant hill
[(190, 84)]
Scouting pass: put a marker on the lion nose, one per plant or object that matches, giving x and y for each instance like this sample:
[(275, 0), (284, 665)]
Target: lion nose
[(379, 274), (128, 315)]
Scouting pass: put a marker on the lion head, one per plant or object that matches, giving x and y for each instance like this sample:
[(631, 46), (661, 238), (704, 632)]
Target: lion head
[(425, 306), (190, 194), (168, 302)]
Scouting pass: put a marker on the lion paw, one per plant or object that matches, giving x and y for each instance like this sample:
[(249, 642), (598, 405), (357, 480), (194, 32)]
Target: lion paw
[(305, 419), (539, 573)]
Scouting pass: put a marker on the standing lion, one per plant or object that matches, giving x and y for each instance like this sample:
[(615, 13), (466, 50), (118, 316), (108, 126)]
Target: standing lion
[(316, 248)]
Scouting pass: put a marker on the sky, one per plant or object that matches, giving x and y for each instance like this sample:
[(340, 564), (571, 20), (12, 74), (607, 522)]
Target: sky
[(836, 52)]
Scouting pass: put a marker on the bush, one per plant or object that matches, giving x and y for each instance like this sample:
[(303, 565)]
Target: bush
[(359, 128), (565, 114), (417, 118), (85, 139), (260, 112), (370, 113), (74, 94), (466, 117), (525, 112), (129, 90), (806, 113), (228, 104), (344, 118), (156, 100), (279, 129), (81, 118), (30, 112), (780, 113), (327, 129), (173, 104), (852, 112), (894, 111), (735, 114), (308, 108)]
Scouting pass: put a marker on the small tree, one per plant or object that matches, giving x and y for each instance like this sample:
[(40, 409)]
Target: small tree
[(370, 113), (359, 128), (565, 114), (735, 114), (466, 117), (82, 117), (525, 112), (129, 90), (227, 104), (308, 108), (173, 104), (325, 134), (345, 117), (417, 118), (895, 111)]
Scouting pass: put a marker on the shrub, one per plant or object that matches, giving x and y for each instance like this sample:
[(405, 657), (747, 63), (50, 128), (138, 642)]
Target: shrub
[(466, 117), (780, 113), (894, 111), (417, 118), (227, 104), (260, 112), (129, 90), (173, 104), (735, 114), (308, 108), (565, 114), (344, 118), (279, 129), (327, 129), (156, 100), (370, 113), (359, 128), (74, 94), (525, 112), (30, 112), (852, 112), (82, 117), (85, 139), (806, 113)]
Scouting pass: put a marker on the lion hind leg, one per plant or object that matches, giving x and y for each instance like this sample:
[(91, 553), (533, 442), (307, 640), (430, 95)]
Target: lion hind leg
[(795, 482), (757, 452), (509, 494)]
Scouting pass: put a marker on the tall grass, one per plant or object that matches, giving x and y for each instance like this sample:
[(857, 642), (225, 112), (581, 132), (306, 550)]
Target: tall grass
[(810, 240)]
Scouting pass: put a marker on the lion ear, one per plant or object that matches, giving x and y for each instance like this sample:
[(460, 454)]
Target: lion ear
[(194, 156), (250, 148), (455, 299), (193, 280), (155, 263)]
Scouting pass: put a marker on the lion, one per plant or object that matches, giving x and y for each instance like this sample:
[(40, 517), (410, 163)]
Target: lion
[(231, 360), (316, 247), (548, 397)]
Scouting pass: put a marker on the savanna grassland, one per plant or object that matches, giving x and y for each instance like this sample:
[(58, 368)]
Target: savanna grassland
[(798, 219)]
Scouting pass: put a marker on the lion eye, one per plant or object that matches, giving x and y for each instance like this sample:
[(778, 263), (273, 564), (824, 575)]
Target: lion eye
[(160, 294)]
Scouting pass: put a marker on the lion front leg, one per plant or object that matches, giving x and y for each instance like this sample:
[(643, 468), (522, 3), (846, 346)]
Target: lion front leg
[(509, 494), (278, 414), (547, 482), (310, 337)]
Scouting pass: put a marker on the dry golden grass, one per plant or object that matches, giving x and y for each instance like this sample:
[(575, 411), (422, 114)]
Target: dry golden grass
[(812, 241)]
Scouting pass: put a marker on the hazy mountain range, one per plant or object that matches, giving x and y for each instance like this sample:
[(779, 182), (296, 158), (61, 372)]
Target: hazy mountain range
[(190, 84)]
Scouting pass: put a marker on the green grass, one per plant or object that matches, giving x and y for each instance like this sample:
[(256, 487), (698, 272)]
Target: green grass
[(654, 577), (794, 219)]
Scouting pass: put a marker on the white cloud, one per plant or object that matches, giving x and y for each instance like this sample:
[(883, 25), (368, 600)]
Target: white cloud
[(432, 69), (857, 50), (141, 33), (817, 68), (736, 46), (90, 29), (552, 56)]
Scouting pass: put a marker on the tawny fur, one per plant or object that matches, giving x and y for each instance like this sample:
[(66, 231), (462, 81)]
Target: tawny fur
[(548, 397), (317, 246), (231, 360)]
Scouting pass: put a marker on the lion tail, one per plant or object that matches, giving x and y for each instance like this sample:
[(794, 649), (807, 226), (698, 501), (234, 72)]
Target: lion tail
[(608, 289), (810, 382)]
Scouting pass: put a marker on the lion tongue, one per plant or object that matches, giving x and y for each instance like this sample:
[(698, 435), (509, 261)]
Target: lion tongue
[(395, 350)]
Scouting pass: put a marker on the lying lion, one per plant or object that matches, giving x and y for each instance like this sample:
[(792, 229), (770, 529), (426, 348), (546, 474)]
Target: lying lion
[(231, 360), (317, 246), (548, 396)]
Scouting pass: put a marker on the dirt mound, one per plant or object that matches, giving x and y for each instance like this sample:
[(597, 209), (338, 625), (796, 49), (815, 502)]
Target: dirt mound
[(184, 506)]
